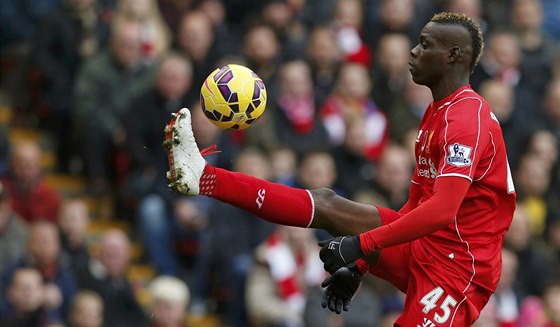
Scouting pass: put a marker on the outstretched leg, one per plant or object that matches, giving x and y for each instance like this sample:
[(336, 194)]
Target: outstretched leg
[(189, 174)]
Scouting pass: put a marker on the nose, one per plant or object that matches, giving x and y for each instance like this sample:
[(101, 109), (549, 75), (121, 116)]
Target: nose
[(414, 52)]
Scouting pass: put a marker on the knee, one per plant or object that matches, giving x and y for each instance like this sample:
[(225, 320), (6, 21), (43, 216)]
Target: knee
[(323, 196)]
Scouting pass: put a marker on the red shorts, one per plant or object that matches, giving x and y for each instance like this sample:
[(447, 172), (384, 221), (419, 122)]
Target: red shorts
[(431, 300)]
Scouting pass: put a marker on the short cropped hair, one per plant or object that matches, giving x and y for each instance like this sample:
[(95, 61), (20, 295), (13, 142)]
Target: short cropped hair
[(169, 288), (449, 18)]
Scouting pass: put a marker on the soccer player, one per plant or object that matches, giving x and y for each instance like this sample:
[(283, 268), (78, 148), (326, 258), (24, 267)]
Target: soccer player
[(443, 247)]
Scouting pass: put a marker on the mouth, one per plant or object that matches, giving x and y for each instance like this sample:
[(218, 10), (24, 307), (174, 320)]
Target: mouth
[(410, 66)]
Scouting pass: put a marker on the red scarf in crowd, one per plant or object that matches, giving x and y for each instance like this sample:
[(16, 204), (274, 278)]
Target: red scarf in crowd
[(285, 266)]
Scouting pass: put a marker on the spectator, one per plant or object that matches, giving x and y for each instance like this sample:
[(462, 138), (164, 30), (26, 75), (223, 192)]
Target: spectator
[(472, 8), (73, 222), (538, 50), (169, 299), (544, 145), (355, 172), (227, 35), (104, 89), (44, 254), (289, 257), (501, 98), (294, 113), (86, 310), (505, 301), (348, 17), (25, 296), (171, 232), (143, 121), (393, 175), (391, 79), (172, 11), (30, 197), (536, 270), (551, 107), (107, 277), (551, 302), (533, 183), (395, 16), (284, 165), (13, 232), (69, 35), (262, 50), (171, 226), (324, 57), (154, 34), (531, 313), (284, 258), (18, 23), (488, 317), (351, 101), (236, 234), (501, 60), (317, 170), (196, 40), (283, 17)]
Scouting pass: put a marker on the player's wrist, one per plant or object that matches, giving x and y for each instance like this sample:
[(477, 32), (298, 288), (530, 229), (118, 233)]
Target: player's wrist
[(368, 245), (357, 248), (362, 266)]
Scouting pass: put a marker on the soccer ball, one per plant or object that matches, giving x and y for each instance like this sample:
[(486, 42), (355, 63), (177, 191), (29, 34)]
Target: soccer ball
[(233, 97)]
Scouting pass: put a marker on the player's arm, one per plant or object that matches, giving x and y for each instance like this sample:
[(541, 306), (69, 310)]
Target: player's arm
[(432, 215), (436, 213), (413, 198)]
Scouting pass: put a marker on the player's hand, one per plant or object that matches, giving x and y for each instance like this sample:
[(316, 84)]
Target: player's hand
[(341, 287), (340, 251)]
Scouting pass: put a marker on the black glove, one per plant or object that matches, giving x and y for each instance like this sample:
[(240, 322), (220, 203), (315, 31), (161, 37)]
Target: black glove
[(341, 287), (340, 251)]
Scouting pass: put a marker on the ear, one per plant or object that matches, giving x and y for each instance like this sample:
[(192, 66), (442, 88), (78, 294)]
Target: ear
[(454, 54)]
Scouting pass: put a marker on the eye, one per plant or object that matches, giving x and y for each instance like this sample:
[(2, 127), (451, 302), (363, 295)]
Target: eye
[(424, 44)]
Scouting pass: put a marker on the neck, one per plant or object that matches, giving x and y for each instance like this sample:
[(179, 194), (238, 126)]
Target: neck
[(448, 86)]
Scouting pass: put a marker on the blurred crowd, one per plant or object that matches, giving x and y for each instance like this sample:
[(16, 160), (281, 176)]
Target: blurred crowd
[(101, 78)]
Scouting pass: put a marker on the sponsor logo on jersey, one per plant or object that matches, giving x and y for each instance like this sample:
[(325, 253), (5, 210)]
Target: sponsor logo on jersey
[(459, 155), (431, 172), (427, 147)]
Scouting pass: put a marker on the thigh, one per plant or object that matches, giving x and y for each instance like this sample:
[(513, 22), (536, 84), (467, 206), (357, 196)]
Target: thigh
[(432, 302), (393, 266), (393, 263)]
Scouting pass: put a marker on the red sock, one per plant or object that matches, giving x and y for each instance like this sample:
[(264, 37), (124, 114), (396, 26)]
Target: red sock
[(276, 203)]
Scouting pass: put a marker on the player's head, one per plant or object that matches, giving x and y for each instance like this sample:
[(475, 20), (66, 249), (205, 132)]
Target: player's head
[(450, 43)]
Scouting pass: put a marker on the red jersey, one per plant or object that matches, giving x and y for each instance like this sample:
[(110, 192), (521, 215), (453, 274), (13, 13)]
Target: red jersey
[(459, 136), (40, 203)]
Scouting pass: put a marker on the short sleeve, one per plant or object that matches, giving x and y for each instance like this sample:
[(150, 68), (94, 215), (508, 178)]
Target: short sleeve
[(464, 138)]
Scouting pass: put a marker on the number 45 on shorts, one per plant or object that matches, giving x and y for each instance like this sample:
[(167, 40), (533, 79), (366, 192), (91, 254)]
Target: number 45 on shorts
[(430, 302)]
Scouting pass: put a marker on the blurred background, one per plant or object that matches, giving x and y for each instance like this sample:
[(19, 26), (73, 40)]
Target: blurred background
[(91, 236)]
